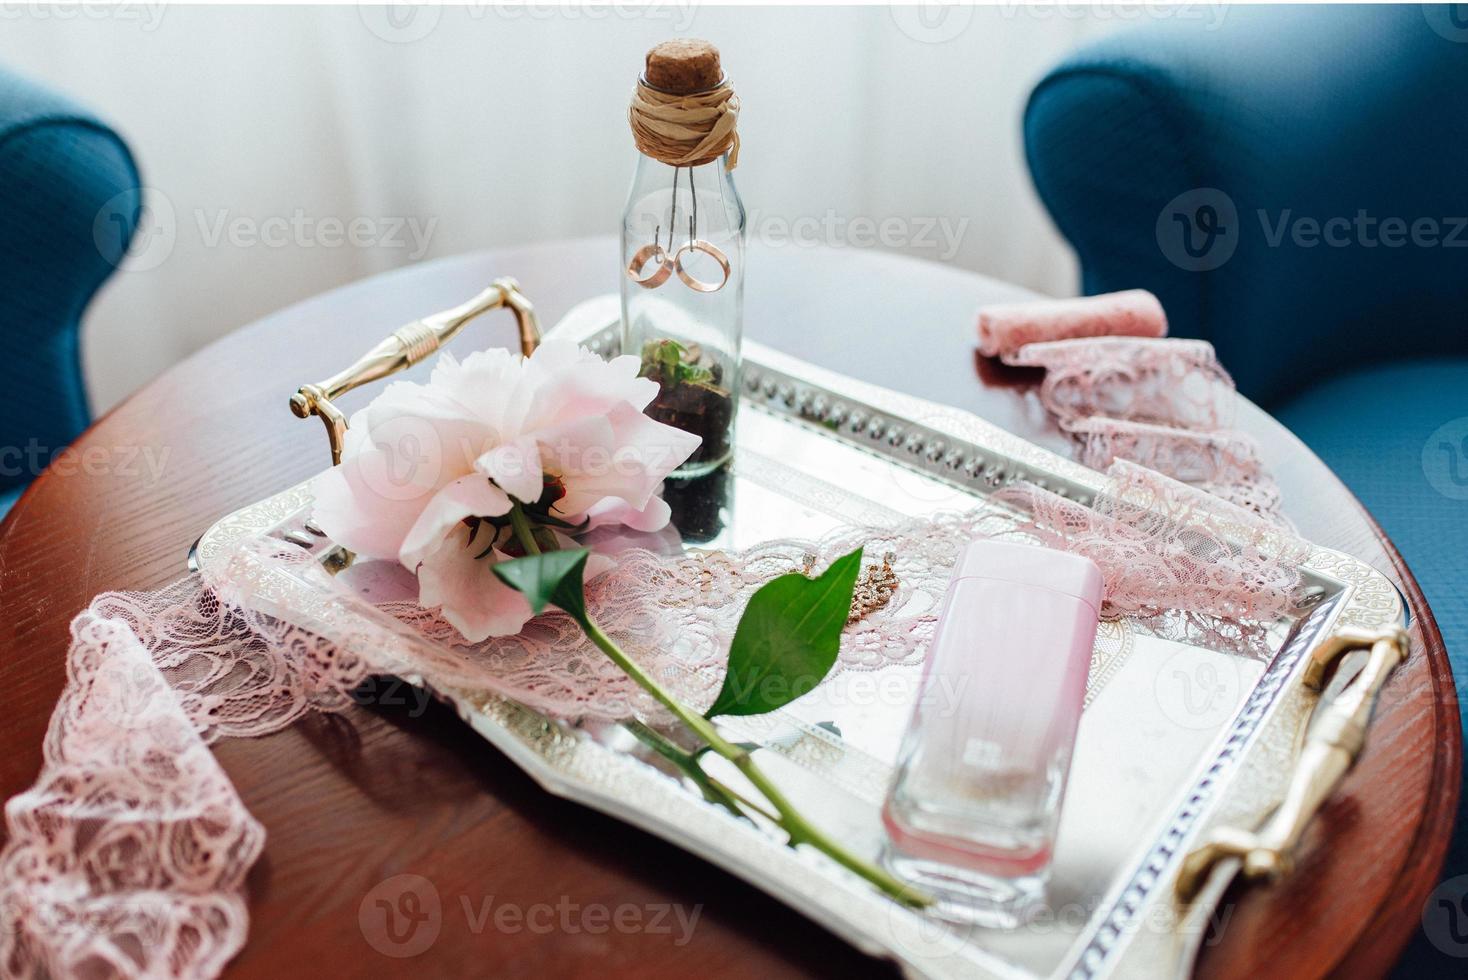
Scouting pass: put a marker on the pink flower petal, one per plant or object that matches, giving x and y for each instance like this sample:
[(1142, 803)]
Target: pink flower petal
[(471, 598), (635, 457), (469, 496), (515, 466), (612, 510)]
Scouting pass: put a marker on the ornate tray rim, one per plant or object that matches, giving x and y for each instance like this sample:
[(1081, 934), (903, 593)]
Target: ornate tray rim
[(1236, 784)]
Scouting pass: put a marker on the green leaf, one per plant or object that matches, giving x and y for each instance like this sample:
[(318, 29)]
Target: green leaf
[(787, 639), (551, 577)]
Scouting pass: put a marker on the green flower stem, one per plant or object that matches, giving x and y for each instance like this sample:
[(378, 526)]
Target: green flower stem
[(523, 532), (796, 827), (687, 763), (790, 820)]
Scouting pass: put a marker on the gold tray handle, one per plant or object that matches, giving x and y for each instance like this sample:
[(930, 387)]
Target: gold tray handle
[(405, 347), (1334, 742)]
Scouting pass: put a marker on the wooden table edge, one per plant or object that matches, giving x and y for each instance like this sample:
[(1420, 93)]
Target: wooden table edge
[(1378, 947)]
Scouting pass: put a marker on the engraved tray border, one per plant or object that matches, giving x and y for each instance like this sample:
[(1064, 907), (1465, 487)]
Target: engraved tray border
[(1238, 782)]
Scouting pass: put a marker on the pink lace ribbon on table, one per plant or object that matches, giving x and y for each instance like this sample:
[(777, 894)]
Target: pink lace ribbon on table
[(1123, 391)]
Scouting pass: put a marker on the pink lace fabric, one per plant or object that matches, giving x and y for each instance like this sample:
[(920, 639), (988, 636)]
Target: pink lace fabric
[(1168, 382), (1166, 404), (128, 856), (1165, 546)]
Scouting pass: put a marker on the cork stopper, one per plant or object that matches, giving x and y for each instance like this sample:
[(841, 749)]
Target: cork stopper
[(683, 67)]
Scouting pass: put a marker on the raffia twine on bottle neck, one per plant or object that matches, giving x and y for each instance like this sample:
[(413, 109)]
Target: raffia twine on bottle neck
[(686, 130)]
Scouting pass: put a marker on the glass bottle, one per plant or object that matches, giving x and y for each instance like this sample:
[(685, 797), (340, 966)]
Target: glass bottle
[(683, 250)]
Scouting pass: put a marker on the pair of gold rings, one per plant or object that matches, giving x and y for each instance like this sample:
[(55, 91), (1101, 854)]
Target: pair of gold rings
[(666, 268)]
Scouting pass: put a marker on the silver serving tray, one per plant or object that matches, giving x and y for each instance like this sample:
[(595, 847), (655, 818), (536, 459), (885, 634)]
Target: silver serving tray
[(1175, 741)]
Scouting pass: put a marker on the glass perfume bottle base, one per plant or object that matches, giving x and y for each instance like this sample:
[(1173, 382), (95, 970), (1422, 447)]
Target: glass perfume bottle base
[(970, 897)]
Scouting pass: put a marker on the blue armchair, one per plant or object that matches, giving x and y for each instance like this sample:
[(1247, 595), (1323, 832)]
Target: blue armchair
[(72, 200), (1290, 184)]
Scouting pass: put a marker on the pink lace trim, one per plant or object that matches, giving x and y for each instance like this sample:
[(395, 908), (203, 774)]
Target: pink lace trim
[(1169, 382), (128, 856), (1162, 545)]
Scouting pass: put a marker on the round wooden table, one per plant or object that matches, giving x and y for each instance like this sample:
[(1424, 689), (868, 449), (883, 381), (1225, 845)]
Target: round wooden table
[(389, 789)]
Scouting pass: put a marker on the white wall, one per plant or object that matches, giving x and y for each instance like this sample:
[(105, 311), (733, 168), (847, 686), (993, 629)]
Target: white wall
[(488, 126)]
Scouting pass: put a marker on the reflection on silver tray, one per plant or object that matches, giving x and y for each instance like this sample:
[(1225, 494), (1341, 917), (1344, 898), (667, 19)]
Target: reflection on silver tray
[(1176, 739)]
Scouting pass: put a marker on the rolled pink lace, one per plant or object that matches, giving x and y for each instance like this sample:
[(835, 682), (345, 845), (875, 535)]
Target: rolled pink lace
[(1006, 327), (1122, 390)]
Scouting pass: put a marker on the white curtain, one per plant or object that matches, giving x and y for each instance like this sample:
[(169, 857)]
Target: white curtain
[(289, 150)]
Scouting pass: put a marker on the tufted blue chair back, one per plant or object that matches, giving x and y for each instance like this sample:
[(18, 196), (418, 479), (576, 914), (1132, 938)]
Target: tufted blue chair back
[(1262, 169), (71, 198)]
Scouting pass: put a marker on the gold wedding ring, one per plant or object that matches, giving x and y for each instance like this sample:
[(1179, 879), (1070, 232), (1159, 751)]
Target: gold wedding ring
[(659, 275), (692, 282)]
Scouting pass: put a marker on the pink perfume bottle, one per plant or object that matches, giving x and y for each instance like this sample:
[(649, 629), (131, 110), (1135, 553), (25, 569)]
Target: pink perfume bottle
[(972, 812)]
